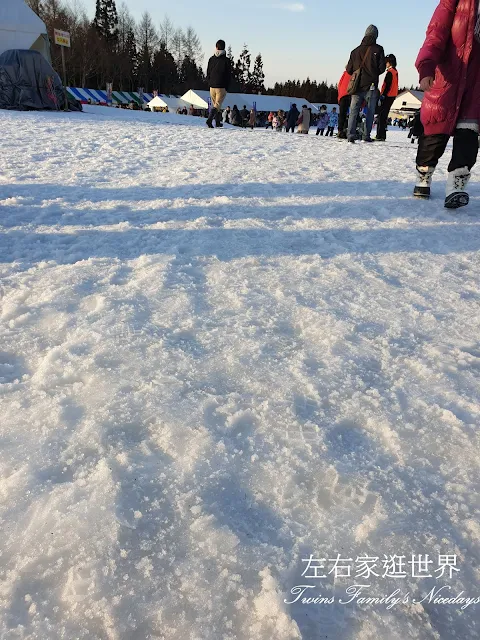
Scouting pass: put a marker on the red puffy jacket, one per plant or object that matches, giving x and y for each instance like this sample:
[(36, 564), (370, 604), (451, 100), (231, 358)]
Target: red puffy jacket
[(343, 85), (445, 56)]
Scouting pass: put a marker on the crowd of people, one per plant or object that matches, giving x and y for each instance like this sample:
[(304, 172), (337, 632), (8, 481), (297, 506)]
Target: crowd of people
[(448, 66), (359, 97)]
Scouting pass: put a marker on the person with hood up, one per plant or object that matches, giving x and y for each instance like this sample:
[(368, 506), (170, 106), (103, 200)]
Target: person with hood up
[(292, 118), (449, 69), (219, 73), (369, 59), (236, 118), (323, 119), (245, 115), (226, 115), (387, 96), (304, 120)]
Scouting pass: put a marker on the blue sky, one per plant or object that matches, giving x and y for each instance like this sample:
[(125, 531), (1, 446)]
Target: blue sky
[(299, 39)]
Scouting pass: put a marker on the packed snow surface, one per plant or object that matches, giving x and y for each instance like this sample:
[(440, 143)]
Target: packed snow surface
[(224, 353)]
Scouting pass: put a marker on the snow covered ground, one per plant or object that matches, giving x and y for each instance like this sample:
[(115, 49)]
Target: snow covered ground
[(221, 353)]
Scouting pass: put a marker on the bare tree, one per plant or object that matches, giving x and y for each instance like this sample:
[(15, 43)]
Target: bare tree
[(167, 30), (36, 5), (146, 34), (192, 46), (126, 23), (177, 46)]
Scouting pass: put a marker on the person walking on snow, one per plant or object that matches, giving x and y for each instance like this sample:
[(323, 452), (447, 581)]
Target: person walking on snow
[(219, 74), (449, 69), (332, 122), (387, 96), (245, 115), (369, 59), (323, 119), (344, 100), (304, 120), (292, 118), (236, 118)]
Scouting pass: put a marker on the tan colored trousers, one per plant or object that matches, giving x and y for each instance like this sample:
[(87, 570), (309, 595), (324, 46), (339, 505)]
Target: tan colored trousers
[(217, 96)]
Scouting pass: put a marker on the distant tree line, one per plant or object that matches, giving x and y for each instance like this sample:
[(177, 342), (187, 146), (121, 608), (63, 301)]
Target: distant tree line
[(113, 47), (308, 90)]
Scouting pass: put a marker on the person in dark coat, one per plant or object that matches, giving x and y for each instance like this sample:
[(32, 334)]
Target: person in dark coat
[(245, 114), (369, 57), (292, 118), (219, 73), (236, 118)]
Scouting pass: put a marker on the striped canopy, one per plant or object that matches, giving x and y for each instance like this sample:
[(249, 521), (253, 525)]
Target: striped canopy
[(97, 95)]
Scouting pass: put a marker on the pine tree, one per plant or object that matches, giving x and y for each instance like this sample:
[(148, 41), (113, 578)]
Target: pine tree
[(257, 78), (130, 60), (242, 69), (164, 71), (190, 76), (147, 38), (106, 21), (235, 81)]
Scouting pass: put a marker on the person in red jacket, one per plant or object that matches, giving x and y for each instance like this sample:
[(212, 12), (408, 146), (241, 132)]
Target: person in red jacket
[(449, 69), (344, 103), (387, 96)]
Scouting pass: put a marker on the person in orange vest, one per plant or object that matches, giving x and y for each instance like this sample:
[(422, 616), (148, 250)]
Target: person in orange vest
[(344, 103), (387, 97)]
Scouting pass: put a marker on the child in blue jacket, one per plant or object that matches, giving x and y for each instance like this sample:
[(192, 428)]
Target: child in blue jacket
[(323, 118), (332, 122)]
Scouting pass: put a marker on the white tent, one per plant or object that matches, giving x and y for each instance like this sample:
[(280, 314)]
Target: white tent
[(21, 28), (199, 99), (274, 103), (173, 103), (157, 103)]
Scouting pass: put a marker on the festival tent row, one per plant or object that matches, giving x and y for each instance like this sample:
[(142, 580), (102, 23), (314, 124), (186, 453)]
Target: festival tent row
[(21, 28), (98, 95), (199, 99)]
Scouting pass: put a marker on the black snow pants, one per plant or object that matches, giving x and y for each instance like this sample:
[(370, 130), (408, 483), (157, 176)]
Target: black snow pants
[(465, 149), (344, 105), (383, 117)]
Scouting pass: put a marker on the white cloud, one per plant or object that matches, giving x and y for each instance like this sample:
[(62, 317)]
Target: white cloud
[(296, 7)]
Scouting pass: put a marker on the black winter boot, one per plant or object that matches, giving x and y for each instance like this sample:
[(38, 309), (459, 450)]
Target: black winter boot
[(424, 180), (211, 118), (218, 119)]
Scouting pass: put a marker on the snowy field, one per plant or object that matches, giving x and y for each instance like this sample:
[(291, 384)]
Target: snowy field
[(224, 353)]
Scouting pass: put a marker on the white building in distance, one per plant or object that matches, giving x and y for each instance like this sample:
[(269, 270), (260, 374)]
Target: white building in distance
[(408, 101)]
